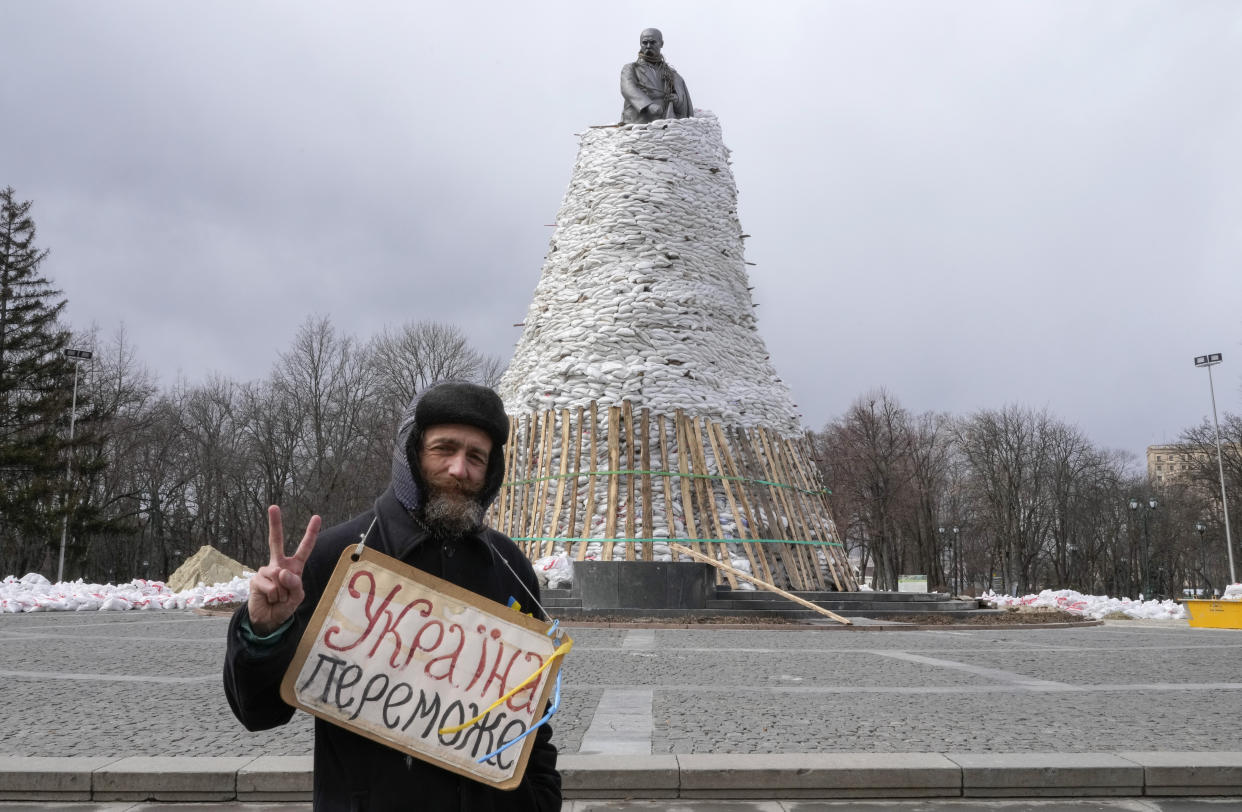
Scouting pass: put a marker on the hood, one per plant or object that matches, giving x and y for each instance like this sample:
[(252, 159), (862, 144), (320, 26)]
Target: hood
[(407, 480)]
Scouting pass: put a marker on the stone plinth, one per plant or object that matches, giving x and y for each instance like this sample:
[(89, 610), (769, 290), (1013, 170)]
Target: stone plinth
[(644, 584)]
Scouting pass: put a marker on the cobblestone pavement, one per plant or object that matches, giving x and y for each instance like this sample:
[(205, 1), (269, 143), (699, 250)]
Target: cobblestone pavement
[(948, 805), (148, 683)]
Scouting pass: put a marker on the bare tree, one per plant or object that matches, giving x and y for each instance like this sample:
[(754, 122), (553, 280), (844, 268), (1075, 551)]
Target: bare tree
[(418, 354), (120, 391), (326, 381), (217, 479), (1009, 455), (930, 451), (868, 455)]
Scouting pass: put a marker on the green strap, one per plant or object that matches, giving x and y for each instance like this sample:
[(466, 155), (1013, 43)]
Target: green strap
[(682, 541), (666, 473)]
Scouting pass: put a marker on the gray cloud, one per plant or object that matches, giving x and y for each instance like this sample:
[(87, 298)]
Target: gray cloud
[(970, 203)]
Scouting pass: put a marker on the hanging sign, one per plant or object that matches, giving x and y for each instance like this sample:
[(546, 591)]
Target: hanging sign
[(426, 667)]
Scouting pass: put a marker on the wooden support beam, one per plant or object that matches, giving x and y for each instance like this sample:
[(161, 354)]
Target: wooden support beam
[(743, 519), (614, 462), (572, 526), (797, 530), (670, 514), (707, 496), (820, 514), (562, 475), (588, 512), (543, 473), (687, 508), (627, 424), (645, 462), (532, 428)]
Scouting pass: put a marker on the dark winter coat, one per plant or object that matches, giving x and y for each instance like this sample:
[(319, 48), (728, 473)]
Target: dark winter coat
[(354, 773)]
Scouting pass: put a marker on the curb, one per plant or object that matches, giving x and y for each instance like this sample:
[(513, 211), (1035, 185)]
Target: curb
[(705, 776), (792, 625), (828, 626)]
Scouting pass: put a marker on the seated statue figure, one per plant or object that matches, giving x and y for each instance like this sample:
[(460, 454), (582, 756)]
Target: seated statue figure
[(651, 88)]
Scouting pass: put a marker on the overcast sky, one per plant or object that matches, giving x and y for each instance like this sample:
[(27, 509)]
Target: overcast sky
[(972, 204)]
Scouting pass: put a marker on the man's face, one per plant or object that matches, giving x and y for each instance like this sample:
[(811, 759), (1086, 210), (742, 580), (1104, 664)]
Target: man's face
[(454, 459), (650, 42)]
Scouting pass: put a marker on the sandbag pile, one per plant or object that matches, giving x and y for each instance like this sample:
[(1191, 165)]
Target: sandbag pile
[(644, 294), (34, 593), (644, 405), (1092, 606)]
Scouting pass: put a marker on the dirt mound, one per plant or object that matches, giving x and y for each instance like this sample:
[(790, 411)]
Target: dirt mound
[(208, 566)]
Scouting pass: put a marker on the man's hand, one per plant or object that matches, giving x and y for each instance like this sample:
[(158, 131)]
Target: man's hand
[(276, 590), (656, 108)]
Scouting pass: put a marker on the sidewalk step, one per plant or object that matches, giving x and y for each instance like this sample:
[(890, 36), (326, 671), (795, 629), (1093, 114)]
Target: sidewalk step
[(268, 779)]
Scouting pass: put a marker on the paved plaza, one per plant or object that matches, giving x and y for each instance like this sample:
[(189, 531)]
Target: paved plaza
[(788, 718), (144, 683), (991, 805), (138, 683)]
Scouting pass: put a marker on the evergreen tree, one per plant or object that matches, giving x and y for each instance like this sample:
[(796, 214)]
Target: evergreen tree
[(35, 390)]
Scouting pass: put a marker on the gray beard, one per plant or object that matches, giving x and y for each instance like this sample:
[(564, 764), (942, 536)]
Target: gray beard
[(451, 517)]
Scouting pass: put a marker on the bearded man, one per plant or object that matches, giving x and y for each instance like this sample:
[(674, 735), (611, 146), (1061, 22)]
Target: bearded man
[(651, 88), (448, 466)]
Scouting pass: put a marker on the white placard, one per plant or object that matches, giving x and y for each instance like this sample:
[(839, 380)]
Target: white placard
[(398, 656)]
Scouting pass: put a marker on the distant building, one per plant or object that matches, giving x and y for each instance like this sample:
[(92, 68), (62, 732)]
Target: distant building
[(1169, 464)]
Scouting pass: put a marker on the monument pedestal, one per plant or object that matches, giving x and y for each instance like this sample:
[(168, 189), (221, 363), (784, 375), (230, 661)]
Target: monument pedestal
[(644, 584)]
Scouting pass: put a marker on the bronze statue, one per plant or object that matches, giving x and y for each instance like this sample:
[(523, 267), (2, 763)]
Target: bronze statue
[(651, 88)]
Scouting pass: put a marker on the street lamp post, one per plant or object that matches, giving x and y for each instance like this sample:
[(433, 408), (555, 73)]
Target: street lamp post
[(940, 549), (1210, 361), (75, 356), (1200, 527), (1145, 562), (958, 586)]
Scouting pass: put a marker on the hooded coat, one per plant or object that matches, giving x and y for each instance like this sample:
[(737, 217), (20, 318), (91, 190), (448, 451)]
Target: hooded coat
[(354, 773)]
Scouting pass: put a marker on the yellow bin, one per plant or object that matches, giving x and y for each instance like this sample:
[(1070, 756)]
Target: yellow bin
[(1215, 614)]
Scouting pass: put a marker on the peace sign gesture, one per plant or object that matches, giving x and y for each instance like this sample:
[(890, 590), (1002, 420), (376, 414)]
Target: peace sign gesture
[(276, 590)]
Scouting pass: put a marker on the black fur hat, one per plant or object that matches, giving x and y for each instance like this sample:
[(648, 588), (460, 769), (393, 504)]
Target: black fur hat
[(466, 403)]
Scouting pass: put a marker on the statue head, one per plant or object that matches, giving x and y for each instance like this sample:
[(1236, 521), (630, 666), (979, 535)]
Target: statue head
[(650, 41)]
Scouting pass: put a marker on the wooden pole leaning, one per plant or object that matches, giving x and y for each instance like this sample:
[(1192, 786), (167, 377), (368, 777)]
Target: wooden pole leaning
[(761, 584), (522, 517), (670, 515), (707, 496), (572, 526), (627, 423), (614, 462), (543, 473), (561, 476), (645, 462), (589, 512), (687, 507)]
